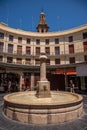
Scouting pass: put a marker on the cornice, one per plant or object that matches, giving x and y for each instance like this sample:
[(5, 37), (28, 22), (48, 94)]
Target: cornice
[(20, 32)]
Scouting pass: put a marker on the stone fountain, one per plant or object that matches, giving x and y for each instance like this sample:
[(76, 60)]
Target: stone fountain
[(43, 106)]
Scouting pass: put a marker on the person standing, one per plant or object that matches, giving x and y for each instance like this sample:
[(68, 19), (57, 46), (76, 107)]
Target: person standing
[(71, 86), (9, 86)]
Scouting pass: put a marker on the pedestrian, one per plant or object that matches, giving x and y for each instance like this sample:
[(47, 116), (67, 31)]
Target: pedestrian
[(9, 86), (71, 86)]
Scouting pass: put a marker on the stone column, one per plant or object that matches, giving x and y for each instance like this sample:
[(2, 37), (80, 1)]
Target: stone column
[(43, 68), (32, 82), (21, 82), (43, 86), (82, 78)]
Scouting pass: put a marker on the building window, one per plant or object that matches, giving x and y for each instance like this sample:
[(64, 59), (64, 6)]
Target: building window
[(56, 41), (10, 48), (71, 48), (85, 58), (28, 50), (1, 58), (48, 61), (47, 50), (46, 41), (28, 41), (27, 61), (37, 41), (19, 49), (57, 61), (57, 50), (19, 39), (1, 46), (9, 59), (72, 60), (37, 61), (11, 38), (37, 50), (1, 35), (70, 39), (85, 35), (85, 46), (19, 61)]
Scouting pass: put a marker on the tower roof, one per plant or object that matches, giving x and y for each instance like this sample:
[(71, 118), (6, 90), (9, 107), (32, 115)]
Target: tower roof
[(42, 26)]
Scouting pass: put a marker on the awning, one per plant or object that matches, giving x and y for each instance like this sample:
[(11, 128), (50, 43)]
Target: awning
[(81, 70), (67, 71)]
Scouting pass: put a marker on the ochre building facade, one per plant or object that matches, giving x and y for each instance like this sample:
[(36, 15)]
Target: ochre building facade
[(20, 51)]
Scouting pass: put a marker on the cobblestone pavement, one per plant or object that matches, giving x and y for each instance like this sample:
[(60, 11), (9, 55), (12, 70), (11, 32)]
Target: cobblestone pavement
[(7, 124)]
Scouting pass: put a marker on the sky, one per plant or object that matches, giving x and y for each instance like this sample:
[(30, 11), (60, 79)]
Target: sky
[(60, 14)]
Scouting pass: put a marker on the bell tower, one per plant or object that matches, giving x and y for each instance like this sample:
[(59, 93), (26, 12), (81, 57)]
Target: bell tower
[(42, 27)]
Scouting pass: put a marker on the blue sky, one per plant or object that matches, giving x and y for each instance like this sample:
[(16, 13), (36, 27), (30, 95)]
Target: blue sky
[(60, 14)]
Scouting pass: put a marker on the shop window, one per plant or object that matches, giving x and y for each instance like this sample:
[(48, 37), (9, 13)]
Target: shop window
[(1, 58), (28, 50), (37, 62), (19, 49), (27, 61), (70, 39), (57, 61), (71, 48), (56, 41), (1, 46), (47, 50), (57, 50), (46, 41), (85, 46), (1, 35), (19, 39), (85, 58), (9, 59), (72, 60), (85, 35), (11, 38), (19, 61), (28, 41), (37, 41), (37, 50), (10, 48)]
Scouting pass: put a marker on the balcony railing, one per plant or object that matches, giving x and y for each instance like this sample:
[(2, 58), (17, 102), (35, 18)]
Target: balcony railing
[(76, 51)]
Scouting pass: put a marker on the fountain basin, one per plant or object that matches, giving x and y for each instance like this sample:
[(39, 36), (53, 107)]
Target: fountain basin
[(27, 108)]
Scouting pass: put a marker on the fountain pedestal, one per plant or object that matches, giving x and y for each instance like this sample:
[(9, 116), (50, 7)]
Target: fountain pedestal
[(43, 86), (43, 89)]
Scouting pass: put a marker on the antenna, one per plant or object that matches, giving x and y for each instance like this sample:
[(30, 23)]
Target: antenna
[(32, 22), (7, 14), (42, 10), (20, 23)]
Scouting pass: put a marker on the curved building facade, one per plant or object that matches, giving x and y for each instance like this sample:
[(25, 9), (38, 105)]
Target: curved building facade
[(20, 51)]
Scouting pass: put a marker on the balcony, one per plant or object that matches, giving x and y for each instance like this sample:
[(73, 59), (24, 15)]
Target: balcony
[(50, 54)]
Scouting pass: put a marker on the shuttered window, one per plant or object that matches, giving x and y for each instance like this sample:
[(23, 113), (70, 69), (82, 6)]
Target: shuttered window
[(85, 46), (28, 50), (1, 46), (57, 50), (10, 48), (19, 49), (47, 50), (37, 50), (19, 61), (71, 48)]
